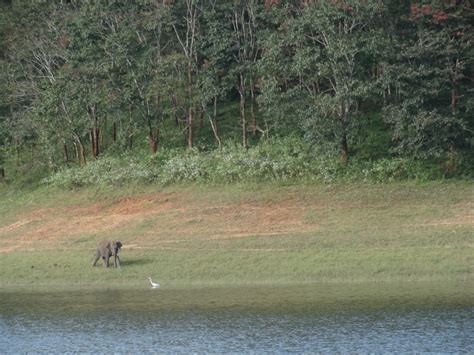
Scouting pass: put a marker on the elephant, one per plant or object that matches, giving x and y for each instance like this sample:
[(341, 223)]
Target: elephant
[(106, 249)]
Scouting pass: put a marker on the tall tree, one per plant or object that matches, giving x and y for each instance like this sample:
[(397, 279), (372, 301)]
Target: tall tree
[(187, 30), (325, 53), (246, 53), (29, 57), (135, 43), (430, 72)]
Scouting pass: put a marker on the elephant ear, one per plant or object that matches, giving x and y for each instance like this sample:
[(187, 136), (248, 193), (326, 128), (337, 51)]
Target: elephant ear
[(119, 244)]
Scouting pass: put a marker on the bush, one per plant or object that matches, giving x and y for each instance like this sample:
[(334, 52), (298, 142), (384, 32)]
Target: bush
[(270, 160), (393, 169), (105, 171), (281, 159)]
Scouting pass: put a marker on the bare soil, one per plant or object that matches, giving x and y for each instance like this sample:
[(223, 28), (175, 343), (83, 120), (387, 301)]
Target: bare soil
[(167, 218), (171, 219)]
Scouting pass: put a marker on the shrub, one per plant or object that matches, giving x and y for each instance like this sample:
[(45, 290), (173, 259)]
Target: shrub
[(115, 171), (393, 169), (281, 159)]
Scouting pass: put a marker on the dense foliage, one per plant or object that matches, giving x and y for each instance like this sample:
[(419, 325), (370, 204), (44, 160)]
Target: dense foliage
[(282, 160), (235, 90)]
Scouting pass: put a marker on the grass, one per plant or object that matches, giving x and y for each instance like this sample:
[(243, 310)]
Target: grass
[(244, 234)]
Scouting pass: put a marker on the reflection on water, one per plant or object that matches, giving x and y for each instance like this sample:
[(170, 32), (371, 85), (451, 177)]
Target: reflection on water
[(325, 318)]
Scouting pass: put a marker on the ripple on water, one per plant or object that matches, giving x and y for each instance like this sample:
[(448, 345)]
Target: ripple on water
[(324, 318)]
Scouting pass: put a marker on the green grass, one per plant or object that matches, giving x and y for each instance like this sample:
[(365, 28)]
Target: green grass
[(345, 233)]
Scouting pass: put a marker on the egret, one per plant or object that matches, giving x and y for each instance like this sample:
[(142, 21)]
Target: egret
[(153, 285)]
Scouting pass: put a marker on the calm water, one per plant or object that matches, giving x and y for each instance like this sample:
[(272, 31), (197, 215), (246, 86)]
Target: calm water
[(325, 318)]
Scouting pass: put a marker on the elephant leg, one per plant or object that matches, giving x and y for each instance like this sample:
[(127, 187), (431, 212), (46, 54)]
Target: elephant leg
[(95, 261), (106, 261), (97, 257), (117, 261)]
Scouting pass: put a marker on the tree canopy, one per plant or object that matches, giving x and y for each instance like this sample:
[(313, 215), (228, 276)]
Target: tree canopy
[(83, 79)]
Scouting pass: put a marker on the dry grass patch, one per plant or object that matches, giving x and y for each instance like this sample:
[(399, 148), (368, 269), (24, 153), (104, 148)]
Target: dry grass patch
[(163, 217)]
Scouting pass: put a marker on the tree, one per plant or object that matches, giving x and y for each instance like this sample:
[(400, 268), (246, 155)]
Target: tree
[(27, 62), (135, 39), (88, 62), (325, 53), (103, 77), (431, 79), (187, 35), (245, 54)]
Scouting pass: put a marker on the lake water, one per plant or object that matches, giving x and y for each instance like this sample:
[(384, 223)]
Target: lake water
[(324, 318)]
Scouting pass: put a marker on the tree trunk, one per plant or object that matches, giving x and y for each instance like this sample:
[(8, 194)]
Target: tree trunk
[(65, 152), (213, 121), (114, 132), (344, 150), (189, 127), (243, 121), (17, 149), (215, 127), (344, 123), (252, 108), (82, 155), (97, 141), (174, 101), (454, 84), (201, 120), (2, 174), (130, 128), (451, 165), (153, 136), (80, 151), (453, 101), (91, 135), (94, 131), (94, 134), (153, 141), (190, 118)]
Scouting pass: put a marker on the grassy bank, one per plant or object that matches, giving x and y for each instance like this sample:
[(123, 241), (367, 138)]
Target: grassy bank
[(241, 234)]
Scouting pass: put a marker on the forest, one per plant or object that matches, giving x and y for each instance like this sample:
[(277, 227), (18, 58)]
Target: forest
[(205, 90)]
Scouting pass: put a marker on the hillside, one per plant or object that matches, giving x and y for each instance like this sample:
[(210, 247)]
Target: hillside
[(240, 234)]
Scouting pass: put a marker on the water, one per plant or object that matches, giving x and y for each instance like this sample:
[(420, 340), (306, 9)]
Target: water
[(325, 318)]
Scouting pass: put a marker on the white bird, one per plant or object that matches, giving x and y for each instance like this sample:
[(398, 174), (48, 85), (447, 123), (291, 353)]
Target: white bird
[(153, 285)]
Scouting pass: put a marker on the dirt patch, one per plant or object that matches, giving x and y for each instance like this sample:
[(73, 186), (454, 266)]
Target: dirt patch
[(455, 221), (168, 218), (464, 216), (224, 222)]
